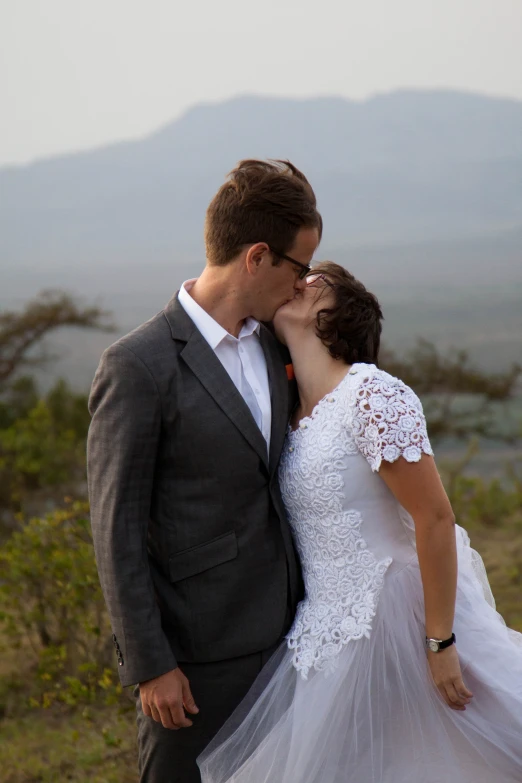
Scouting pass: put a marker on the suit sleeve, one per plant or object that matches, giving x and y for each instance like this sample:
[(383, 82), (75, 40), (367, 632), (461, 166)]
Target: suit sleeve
[(121, 453)]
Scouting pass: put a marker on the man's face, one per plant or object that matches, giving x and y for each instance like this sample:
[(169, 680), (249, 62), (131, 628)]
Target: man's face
[(276, 285)]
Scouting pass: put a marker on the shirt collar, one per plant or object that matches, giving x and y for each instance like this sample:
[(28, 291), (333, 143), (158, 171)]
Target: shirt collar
[(213, 332)]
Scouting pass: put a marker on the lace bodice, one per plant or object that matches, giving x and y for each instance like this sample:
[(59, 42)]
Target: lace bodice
[(348, 527)]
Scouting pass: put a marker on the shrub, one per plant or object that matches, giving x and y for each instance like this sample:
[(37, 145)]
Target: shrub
[(44, 446), (52, 609)]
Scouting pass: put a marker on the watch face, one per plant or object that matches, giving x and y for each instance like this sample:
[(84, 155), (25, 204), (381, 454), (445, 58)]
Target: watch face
[(433, 645)]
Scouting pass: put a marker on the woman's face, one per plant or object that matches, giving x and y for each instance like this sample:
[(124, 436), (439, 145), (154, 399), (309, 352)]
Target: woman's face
[(300, 313)]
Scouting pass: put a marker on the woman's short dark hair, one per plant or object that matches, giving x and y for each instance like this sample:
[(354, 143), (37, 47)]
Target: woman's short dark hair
[(262, 201), (351, 328)]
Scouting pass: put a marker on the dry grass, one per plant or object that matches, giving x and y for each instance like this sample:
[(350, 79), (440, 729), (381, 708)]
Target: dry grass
[(96, 745), (501, 550)]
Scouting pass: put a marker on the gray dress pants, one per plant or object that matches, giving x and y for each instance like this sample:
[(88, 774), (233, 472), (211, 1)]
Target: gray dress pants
[(167, 756)]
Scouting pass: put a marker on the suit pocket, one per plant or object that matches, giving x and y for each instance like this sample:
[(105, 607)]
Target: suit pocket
[(200, 558)]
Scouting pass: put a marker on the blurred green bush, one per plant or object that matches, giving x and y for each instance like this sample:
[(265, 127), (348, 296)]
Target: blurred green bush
[(42, 442), (52, 612)]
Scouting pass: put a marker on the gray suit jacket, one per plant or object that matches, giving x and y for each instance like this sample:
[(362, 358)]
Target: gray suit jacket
[(194, 552)]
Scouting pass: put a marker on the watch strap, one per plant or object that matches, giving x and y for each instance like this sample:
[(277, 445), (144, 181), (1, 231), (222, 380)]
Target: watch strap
[(448, 642), (442, 643)]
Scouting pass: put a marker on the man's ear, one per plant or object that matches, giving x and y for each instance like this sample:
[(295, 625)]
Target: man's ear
[(255, 255)]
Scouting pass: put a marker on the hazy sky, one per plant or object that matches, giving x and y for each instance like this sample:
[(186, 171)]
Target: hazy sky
[(79, 73)]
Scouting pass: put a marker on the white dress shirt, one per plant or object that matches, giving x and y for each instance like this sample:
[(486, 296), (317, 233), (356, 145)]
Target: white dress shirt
[(242, 357)]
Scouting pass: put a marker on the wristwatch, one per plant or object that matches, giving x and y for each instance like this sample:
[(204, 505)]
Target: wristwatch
[(436, 645)]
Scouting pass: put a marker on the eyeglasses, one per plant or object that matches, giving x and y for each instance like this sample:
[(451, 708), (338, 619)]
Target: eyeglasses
[(305, 269), (313, 279)]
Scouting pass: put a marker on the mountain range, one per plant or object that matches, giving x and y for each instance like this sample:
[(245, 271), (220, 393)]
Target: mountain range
[(421, 194)]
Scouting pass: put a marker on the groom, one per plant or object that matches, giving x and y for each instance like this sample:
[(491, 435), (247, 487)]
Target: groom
[(189, 414)]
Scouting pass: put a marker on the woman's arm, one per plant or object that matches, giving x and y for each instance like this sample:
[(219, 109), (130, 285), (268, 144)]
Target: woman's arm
[(418, 488)]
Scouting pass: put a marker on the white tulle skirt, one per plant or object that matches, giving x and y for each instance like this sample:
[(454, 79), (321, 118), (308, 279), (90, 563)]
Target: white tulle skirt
[(378, 718)]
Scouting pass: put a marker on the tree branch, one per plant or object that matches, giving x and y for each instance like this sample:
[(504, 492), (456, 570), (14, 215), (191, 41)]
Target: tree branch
[(21, 331)]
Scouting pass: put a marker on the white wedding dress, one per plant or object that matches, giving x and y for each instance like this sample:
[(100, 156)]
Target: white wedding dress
[(348, 697)]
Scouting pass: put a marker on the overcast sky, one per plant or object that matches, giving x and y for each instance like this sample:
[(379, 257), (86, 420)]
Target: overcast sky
[(80, 73)]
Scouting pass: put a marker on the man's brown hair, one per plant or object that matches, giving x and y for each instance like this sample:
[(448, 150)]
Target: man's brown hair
[(351, 327), (262, 201)]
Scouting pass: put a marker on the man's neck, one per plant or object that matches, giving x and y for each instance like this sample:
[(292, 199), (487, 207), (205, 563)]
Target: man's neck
[(217, 292)]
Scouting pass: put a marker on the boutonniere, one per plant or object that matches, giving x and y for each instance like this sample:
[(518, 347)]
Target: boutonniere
[(290, 374)]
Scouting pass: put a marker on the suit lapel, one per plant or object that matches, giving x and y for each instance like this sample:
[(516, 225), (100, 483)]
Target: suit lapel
[(279, 395), (199, 356)]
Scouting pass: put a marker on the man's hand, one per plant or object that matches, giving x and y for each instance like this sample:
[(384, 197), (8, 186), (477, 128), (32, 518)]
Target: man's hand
[(446, 673), (166, 698)]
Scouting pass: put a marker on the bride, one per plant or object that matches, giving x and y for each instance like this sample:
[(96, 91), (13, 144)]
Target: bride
[(397, 668)]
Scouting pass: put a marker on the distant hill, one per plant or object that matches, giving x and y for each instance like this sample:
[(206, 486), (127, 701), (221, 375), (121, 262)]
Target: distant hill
[(409, 165), (421, 194)]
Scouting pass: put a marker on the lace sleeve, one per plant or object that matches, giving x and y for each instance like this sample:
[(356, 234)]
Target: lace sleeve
[(388, 421)]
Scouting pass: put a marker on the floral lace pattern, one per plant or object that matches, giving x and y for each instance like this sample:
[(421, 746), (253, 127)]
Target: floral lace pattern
[(343, 579), (388, 421)]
